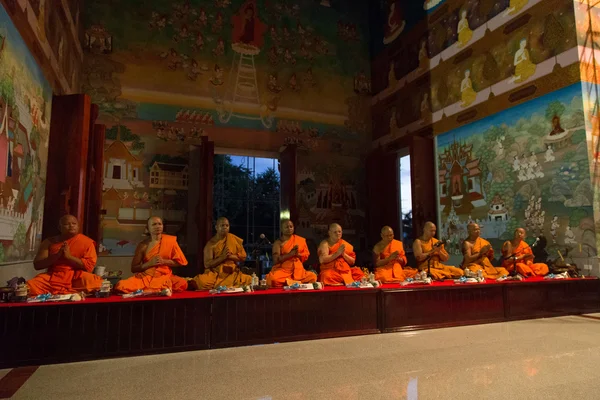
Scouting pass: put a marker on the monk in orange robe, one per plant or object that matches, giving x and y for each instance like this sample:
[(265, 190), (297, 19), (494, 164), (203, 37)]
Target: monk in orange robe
[(390, 259), (477, 253), (289, 253), (518, 252), (337, 258), (221, 255), (152, 263), (430, 254), (70, 258)]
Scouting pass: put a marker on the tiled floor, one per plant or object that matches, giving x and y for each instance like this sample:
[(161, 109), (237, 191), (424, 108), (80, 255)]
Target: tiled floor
[(556, 358)]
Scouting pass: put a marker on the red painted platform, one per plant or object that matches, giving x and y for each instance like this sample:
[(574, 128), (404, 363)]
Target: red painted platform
[(43, 333)]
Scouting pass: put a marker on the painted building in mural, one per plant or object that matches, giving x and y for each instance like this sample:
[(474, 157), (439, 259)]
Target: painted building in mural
[(25, 104), (249, 74)]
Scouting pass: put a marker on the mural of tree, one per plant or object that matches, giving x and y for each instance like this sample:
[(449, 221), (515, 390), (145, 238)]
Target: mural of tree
[(20, 239), (576, 216), (555, 109), (126, 135)]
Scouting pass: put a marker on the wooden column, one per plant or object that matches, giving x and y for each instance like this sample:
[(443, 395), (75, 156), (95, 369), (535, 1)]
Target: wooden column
[(205, 200), (93, 200), (288, 172), (67, 160), (382, 192), (422, 171)]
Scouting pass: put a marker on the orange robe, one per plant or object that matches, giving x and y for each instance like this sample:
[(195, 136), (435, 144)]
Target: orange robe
[(61, 278), (291, 270), (227, 274), (393, 272), (484, 263), (438, 270), (525, 267), (338, 272), (158, 277)]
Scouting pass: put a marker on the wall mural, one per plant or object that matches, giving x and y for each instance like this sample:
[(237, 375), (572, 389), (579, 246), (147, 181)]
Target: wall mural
[(246, 61), (526, 166), (145, 173), (25, 106), (248, 74), (588, 29), (472, 52), (328, 190)]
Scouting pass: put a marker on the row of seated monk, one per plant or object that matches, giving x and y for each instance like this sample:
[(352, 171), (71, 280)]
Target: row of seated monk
[(70, 259)]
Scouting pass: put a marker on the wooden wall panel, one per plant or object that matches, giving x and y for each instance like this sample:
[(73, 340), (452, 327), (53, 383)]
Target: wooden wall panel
[(67, 160)]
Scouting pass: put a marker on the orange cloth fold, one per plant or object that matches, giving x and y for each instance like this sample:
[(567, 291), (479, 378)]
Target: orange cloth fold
[(227, 273), (291, 270), (161, 276), (525, 267), (439, 271), (484, 264), (61, 278), (393, 271), (338, 272)]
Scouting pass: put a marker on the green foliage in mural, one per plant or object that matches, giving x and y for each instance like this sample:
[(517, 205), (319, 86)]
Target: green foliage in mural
[(576, 216), (126, 135), (578, 137), (7, 91), (1, 253), (20, 239), (555, 109)]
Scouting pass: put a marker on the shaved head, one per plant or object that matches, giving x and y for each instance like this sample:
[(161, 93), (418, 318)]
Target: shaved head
[(429, 230), (335, 232), (387, 234), (221, 219), (66, 217), (386, 229), (473, 230), (334, 226)]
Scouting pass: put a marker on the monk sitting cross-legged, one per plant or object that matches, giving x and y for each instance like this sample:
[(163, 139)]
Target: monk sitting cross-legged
[(221, 254), (337, 258), (289, 253), (152, 263), (430, 254), (69, 258), (390, 259), (477, 253), (522, 256)]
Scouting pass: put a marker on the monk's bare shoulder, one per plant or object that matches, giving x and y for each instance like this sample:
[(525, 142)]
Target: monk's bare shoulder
[(324, 243), (213, 241), (278, 242), (378, 247)]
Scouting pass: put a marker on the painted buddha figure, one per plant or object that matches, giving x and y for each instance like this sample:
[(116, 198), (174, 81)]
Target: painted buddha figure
[(524, 68), (467, 94), (464, 32)]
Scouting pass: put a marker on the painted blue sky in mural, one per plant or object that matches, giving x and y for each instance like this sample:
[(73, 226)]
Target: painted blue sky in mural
[(20, 50), (511, 115)]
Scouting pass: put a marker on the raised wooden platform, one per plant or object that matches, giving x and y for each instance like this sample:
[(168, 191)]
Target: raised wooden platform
[(44, 333)]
